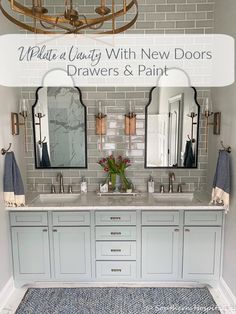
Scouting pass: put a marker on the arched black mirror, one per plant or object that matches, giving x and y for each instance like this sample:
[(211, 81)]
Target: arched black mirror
[(172, 128), (60, 128)]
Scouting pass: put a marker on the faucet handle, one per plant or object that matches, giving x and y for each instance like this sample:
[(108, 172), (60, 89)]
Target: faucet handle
[(53, 189), (162, 189), (180, 187)]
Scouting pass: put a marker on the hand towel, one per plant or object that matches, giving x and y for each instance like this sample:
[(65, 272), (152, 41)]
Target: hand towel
[(39, 154), (188, 155), (221, 182), (12, 183), (45, 161)]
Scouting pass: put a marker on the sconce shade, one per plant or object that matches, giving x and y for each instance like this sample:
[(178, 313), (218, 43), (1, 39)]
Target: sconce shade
[(130, 124), (101, 124)]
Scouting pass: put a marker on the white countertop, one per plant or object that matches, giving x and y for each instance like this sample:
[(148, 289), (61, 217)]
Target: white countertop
[(144, 201)]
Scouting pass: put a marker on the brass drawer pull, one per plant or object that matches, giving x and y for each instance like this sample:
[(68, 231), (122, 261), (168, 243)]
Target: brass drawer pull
[(187, 230), (115, 218), (114, 270), (115, 233), (176, 230), (115, 250), (54, 230), (45, 230)]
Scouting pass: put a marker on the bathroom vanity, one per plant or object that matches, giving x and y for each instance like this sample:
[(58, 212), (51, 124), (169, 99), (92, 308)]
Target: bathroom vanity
[(117, 239)]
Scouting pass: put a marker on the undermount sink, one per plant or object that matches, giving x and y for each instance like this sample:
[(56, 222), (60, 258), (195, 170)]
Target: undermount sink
[(56, 198), (188, 196)]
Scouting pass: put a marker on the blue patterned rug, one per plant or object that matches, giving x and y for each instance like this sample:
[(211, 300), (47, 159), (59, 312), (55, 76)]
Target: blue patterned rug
[(117, 301)]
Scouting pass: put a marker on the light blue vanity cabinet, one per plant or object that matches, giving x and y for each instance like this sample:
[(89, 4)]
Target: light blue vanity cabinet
[(72, 253), (202, 245), (30, 246), (160, 245), (117, 246)]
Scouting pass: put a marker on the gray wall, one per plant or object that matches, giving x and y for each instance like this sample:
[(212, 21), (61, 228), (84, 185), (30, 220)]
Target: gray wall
[(224, 101), (8, 98), (156, 16)]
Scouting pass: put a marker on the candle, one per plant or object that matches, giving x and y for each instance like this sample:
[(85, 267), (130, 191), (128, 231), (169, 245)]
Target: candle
[(130, 106), (99, 106), (207, 104)]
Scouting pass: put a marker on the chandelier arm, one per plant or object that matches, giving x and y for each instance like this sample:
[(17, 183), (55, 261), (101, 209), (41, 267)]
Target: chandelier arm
[(116, 14), (122, 28), (28, 27), (117, 30), (48, 27), (91, 26)]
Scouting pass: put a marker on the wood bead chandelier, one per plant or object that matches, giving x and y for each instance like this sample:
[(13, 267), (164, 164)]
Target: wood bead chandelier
[(70, 20)]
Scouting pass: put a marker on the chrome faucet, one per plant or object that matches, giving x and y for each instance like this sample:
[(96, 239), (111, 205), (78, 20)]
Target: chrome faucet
[(171, 180), (60, 179)]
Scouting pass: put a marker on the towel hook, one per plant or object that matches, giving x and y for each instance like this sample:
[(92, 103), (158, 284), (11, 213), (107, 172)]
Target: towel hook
[(191, 139), (42, 141), (227, 149), (4, 151)]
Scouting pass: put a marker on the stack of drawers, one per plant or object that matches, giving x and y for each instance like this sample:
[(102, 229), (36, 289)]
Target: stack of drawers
[(115, 245)]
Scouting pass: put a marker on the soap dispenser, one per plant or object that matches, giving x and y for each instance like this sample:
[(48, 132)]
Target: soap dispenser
[(151, 185), (84, 186)]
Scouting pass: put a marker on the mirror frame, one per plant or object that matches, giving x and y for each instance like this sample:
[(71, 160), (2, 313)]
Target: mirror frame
[(34, 133), (198, 128)]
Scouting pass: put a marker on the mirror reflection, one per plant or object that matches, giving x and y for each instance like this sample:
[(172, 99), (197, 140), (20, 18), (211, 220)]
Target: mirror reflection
[(172, 122), (59, 124)]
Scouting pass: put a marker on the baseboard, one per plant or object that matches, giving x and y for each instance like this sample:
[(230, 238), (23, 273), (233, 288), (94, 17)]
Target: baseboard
[(6, 292), (227, 297)]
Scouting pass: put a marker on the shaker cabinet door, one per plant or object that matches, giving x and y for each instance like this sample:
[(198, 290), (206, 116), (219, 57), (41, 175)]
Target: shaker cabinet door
[(202, 247), (160, 253), (72, 256), (30, 248)]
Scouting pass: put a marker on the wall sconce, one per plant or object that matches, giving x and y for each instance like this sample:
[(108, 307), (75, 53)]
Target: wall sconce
[(40, 115), (101, 123), (130, 124), (15, 121), (207, 110)]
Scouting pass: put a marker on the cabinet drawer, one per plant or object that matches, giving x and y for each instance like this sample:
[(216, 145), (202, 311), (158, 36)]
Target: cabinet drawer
[(159, 218), (116, 250), (28, 219), (115, 218), (112, 270), (115, 233), (203, 218), (71, 218)]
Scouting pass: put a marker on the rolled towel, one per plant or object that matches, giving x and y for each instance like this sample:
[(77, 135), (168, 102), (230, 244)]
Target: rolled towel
[(13, 187), (222, 181)]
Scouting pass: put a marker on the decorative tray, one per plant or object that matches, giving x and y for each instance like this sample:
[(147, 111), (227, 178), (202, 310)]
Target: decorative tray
[(117, 194)]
